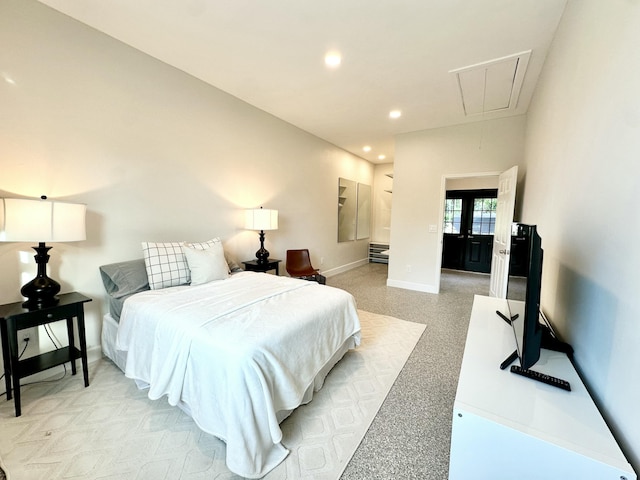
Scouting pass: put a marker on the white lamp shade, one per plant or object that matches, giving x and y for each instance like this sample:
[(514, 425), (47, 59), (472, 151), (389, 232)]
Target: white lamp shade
[(261, 219), (26, 220)]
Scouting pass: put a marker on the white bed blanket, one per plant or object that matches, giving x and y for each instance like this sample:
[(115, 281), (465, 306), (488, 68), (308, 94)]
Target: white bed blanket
[(235, 353)]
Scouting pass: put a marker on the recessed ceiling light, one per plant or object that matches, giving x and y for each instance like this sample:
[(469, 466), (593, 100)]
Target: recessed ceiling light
[(381, 157), (395, 114), (332, 59), (366, 148)]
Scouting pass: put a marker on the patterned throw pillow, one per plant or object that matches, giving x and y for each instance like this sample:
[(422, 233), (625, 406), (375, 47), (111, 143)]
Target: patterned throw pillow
[(203, 245), (166, 264)]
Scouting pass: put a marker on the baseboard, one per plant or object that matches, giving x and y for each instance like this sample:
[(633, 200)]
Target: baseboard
[(344, 268), (93, 354), (419, 287)]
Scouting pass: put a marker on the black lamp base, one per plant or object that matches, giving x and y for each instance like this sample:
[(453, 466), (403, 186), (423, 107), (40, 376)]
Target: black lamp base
[(42, 290), (263, 254)]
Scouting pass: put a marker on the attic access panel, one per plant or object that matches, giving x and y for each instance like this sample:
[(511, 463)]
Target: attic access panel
[(493, 85)]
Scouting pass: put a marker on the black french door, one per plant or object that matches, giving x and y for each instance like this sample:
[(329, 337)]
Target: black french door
[(469, 222)]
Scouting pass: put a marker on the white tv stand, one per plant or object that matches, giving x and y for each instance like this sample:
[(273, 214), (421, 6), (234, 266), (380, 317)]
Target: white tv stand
[(506, 426)]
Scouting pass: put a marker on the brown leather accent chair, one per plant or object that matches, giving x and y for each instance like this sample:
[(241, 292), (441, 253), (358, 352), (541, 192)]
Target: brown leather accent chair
[(299, 266)]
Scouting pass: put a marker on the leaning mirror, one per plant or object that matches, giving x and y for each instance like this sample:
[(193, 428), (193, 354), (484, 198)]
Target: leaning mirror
[(363, 215), (347, 198)]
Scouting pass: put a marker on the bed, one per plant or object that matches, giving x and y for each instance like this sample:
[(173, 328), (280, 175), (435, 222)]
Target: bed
[(237, 354)]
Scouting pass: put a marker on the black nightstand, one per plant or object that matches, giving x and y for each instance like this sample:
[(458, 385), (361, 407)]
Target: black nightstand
[(254, 266), (14, 317)]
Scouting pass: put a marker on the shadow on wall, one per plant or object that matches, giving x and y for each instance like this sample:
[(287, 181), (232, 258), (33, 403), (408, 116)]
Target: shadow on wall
[(587, 312)]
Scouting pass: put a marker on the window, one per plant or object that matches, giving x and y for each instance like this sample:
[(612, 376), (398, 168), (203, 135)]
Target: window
[(484, 216), (452, 215), (470, 212)]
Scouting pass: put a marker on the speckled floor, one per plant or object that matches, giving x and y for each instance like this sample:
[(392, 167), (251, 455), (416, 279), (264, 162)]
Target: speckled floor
[(410, 436)]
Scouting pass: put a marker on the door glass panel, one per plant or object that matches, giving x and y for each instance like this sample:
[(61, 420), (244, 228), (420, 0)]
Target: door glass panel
[(484, 216), (452, 215)]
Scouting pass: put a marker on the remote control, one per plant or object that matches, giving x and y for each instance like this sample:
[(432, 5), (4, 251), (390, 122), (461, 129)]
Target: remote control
[(541, 377)]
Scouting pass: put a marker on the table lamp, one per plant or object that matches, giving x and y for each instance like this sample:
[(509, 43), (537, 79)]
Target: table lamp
[(31, 220), (261, 219)]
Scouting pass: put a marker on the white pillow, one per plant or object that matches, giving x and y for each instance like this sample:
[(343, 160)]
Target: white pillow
[(207, 264), (233, 266), (166, 264)]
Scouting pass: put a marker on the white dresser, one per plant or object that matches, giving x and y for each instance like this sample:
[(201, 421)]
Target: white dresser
[(506, 426)]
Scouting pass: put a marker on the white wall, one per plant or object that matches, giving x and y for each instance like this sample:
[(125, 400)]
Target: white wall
[(422, 160), (154, 153), (472, 183), (582, 187)]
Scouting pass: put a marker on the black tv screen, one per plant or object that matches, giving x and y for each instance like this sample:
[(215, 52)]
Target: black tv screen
[(523, 292)]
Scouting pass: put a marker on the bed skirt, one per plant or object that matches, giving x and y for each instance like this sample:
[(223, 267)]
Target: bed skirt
[(108, 341)]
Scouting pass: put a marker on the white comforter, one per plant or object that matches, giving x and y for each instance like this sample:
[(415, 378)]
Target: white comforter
[(235, 352)]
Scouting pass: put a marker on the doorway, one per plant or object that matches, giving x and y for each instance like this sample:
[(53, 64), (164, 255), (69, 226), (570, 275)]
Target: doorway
[(468, 228)]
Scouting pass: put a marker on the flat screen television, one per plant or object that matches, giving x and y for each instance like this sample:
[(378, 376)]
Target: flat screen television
[(523, 301), (523, 293)]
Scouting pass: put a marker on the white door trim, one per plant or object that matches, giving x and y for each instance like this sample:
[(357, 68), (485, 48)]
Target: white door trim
[(443, 196)]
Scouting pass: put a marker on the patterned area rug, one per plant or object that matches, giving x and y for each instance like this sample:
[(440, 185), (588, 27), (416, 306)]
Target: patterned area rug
[(111, 430)]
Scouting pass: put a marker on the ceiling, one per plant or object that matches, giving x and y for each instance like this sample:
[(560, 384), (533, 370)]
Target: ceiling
[(409, 55)]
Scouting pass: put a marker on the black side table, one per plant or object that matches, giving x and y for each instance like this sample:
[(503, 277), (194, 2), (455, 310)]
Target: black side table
[(254, 266), (14, 317)]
